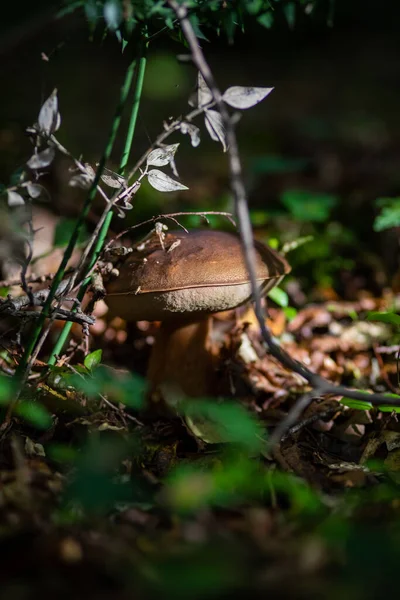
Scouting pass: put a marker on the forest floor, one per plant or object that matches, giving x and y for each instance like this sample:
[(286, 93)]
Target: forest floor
[(102, 505)]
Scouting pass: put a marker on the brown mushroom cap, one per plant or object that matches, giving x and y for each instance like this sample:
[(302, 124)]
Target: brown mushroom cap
[(197, 272)]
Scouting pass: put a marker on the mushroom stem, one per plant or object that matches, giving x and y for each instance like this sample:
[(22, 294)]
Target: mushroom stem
[(181, 360)]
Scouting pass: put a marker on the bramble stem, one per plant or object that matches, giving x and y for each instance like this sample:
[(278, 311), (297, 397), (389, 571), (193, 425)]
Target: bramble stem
[(139, 71)]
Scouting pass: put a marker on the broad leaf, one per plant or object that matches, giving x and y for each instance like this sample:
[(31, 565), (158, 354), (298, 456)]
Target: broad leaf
[(34, 413), (163, 183), (112, 14), (49, 118), (204, 94), (82, 180), (42, 159), (193, 131), (384, 317), (14, 199), (93, 359), (162, 156), (243, 97), (34, 190), (111, 178), (279, 296), (215, 127)]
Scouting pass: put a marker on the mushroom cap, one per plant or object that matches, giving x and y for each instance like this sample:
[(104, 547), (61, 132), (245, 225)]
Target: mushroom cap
[(196, 272)]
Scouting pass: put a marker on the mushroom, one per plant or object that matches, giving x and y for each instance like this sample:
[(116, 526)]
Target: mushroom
[(181, 282)]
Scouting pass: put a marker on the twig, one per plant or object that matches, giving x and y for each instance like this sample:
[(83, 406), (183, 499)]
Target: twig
[(319, 384), (31, 279), (293, 415), (202, 214), (120, 411), (168, 130)]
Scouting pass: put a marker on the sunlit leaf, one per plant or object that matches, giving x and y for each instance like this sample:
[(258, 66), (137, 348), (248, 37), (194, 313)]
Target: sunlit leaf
[(93, 359), (245, 97), (35, 190), (215, 127), (34, 413), (356, 404), (215, 422), (204, 94), (14, 199), (42, 159), (162, 156), (49, 118), (193, 131), (112, 181), (163, 183), (279, 296), (384, 317), (81, 180), (112, 14)]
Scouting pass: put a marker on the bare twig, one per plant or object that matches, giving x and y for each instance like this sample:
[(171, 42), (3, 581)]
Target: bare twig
[(169, 128), (120, 411), (318, 383), (293, 415), (171, 216)]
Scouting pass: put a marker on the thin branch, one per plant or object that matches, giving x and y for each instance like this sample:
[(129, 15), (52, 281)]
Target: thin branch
[(291, 418), (168, 130), (202, 214), (241, 208)]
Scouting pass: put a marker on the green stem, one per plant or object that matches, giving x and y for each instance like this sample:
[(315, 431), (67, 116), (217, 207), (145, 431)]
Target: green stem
[(139, 73), (135, 106), (22, 367)]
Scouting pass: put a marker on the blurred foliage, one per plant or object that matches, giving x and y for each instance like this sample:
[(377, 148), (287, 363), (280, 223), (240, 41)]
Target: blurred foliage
[(218, 16), (389, 215)]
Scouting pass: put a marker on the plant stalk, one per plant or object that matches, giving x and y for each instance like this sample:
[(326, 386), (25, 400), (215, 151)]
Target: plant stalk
[(140, 69)]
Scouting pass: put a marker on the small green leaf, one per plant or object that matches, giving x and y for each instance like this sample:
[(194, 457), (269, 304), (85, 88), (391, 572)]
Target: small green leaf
[(290, 14), (266, 20), (216, 423), (308, 206), (290, 312), (279, 296), (389, 409), (390, 214), (384, 317), (93, 359), (34, 413), (356, 404)]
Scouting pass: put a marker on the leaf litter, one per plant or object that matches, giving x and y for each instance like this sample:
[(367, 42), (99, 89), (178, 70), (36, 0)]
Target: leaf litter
[(153, 496)]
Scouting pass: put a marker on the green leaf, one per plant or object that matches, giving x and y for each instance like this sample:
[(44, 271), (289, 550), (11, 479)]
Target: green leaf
[(266, 20), (356, 404), (384, 317), (290, 14), (390, 214), (388, 408), (194, 20), (112, 12), (308, 206), (227, 422), (276, 164), (93, 359), (34, 413), (64, 231), (279, 296), (290, 312), (129, 389)]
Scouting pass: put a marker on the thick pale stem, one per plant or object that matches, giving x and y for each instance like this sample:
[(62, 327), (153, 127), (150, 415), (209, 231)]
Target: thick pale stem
[(182, 361)]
